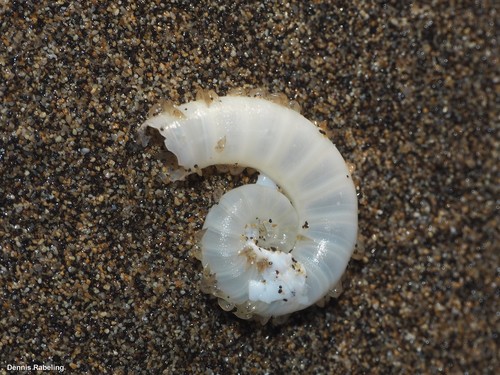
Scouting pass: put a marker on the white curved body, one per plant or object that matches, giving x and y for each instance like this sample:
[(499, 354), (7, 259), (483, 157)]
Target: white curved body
[(311, 173)]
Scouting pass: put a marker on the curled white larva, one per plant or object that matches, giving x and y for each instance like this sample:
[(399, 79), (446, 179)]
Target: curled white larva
[(267, 251)]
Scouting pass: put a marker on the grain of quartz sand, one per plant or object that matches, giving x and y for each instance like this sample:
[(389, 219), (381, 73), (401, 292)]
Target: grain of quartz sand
[(96, 267)]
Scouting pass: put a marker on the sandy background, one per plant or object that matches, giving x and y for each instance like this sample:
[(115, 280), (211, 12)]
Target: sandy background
[(96, 265)]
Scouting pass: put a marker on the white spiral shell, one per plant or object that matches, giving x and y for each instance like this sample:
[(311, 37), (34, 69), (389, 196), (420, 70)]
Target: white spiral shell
[(266, 252)]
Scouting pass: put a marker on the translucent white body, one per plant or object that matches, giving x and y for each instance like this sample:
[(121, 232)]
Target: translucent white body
[(269, 252)]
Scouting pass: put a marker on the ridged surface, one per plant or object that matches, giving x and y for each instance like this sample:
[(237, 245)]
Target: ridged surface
[(282, 144)]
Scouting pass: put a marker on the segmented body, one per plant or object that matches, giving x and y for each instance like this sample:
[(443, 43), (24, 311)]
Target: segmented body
[(267, 252)]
